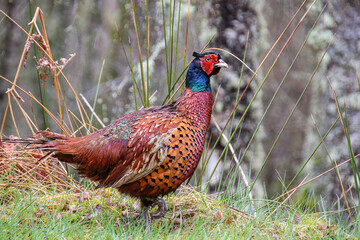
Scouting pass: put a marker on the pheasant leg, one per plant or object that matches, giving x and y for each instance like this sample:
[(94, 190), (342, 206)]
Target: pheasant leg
[(145, 207), (162, 210)]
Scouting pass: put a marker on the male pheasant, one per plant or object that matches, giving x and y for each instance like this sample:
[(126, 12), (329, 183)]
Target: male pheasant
[(150, 152)]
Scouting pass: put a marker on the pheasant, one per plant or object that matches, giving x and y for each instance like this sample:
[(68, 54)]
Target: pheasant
[(150, 152)]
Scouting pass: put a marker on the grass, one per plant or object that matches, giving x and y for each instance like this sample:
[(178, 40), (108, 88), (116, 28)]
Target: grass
[(105, 214), (40, 199)]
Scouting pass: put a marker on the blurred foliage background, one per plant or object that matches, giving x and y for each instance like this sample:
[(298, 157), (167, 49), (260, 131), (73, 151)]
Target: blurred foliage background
[(245, 28)]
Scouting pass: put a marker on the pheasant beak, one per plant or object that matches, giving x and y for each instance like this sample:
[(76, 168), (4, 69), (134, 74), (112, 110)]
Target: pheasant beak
[(221, 64)]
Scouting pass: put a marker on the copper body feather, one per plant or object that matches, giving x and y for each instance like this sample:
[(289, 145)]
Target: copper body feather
[(145, 153)]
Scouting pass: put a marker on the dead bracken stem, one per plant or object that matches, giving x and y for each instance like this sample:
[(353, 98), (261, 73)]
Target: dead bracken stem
[(92, 110), (345, 132), (21, 165), (314, 178), (46, 66), (242, 173)]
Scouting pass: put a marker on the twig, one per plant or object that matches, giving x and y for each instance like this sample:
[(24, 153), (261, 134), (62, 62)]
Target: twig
[(92, 110), (234, 155)]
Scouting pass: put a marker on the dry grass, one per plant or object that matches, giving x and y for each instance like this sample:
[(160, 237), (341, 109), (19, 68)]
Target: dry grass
[(24, 167)]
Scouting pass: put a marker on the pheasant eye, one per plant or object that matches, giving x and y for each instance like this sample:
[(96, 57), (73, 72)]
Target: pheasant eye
[(207, 59)]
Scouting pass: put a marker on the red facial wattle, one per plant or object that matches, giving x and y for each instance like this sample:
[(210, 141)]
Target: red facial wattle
[(208, 62)]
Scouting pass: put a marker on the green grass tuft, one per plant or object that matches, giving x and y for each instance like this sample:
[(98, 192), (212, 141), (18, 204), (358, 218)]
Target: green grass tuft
[(106, 214)]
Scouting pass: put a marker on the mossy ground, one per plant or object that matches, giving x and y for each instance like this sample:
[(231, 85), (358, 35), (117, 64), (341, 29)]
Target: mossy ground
[(105, 214)]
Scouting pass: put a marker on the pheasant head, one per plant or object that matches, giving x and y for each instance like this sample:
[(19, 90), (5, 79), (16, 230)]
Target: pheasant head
[(201, 69)]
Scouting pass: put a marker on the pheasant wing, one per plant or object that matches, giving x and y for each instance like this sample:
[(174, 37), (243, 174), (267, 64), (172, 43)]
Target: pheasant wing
[(147, 148)]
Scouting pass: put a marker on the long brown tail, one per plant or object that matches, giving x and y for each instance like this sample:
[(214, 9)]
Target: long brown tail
[(65, 148), (95, 155), (39, 138), (46, 141)]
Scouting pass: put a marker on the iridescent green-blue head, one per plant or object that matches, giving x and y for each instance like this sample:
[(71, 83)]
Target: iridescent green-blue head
[(201, 69)]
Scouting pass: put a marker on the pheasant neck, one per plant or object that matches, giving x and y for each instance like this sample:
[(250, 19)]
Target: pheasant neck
[(196, 79), (196, 105)]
